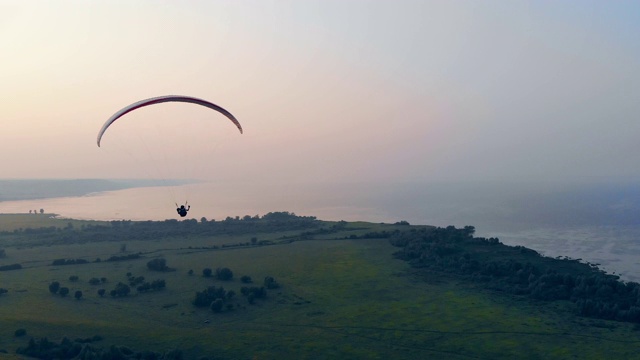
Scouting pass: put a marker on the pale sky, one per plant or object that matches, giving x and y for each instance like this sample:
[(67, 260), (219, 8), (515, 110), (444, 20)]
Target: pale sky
[(326, 91)]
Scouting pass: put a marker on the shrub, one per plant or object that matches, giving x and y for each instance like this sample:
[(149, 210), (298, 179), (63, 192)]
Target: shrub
[(210, 294), (54, 287), (224, 274), (120, 290), (159, 264), (20, 332)]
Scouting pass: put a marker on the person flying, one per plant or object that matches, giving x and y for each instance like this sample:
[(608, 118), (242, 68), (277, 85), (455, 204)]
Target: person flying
[(182, 211)]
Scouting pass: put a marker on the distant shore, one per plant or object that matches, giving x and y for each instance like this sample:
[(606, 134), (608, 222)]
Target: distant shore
[(33, 189)]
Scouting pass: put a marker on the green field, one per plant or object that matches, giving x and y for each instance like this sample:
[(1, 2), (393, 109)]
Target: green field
[(339, 299)]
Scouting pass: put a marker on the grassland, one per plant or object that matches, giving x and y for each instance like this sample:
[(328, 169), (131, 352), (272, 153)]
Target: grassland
[(340, 299)]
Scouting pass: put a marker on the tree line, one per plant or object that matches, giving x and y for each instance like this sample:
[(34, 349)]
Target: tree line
[(154, 230), (42, 348)]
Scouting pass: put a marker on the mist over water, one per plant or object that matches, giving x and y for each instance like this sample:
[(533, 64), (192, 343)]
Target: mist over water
[(594, 222)]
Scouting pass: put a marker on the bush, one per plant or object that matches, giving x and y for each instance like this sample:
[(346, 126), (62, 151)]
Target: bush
[(246, 279), (54, 287), (120, 290), (224, 274), (253, 293), (20, 332), (159, 264), (210, 294)]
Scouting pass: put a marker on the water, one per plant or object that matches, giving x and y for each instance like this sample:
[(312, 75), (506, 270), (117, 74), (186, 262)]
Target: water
[(599, 225)]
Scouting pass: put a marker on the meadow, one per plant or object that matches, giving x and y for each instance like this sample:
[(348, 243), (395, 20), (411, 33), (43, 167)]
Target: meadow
[(340, 297)]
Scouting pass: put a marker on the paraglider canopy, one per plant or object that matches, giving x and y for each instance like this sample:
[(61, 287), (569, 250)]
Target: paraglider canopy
[(162, 99)]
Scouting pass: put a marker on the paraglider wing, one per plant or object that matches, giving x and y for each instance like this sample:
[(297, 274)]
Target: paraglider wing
[(161, 99)]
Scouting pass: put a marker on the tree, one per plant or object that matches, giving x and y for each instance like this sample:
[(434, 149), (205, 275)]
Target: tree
[(190, 272), (206, 272), (254, 240), (121, 290), (73, 278), (123, 248), (245, 279), (64, 291), (224, 274), (210, 294), (3, 253), (159, 264), (253, 293), (3, 291), (101, 292), (54, 287), (78, 294), (41, 211)]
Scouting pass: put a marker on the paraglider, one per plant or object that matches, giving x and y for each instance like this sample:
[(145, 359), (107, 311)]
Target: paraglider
[(162, 99), (182, 210)]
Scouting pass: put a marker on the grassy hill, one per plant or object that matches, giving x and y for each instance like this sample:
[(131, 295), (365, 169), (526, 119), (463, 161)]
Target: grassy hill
[(342, 295)]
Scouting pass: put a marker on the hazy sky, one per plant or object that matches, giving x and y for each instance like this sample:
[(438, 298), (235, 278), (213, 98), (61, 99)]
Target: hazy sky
[(325, 90)]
